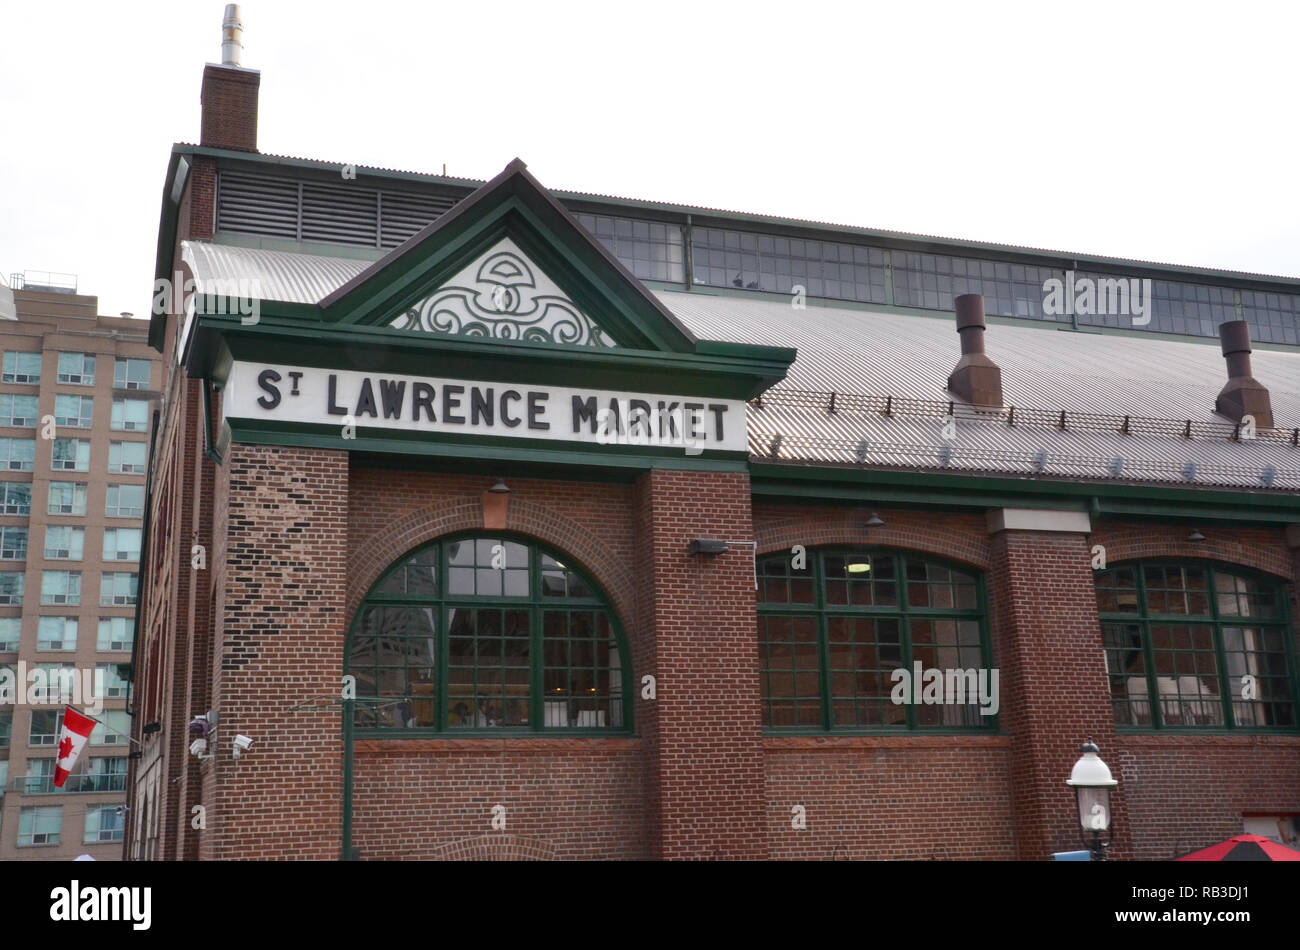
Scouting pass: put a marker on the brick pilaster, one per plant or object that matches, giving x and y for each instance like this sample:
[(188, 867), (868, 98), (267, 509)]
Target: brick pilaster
[(1055, 692), (281, 617), (704, 730)]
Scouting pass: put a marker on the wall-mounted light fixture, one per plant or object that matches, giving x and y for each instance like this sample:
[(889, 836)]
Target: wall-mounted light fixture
[(712, 548), (1196, 535)]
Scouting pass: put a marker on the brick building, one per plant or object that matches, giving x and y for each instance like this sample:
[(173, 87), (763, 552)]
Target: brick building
[(75, 406), (435, 456)]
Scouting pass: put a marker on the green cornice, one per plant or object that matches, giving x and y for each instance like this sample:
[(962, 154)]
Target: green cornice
[(730, 371), (837, 484), (487, 454)]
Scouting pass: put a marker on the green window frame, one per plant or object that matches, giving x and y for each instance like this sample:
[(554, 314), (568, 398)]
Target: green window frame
[(830, 638), (1189, 632), (488, 634)]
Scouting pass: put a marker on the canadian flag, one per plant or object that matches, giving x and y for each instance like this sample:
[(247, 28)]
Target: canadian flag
[(72, 739)]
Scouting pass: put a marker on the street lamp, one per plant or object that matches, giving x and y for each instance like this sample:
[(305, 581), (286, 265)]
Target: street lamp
[(1092, 783)]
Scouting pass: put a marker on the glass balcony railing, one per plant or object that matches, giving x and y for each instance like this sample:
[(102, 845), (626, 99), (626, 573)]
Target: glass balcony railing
[(44, 784)]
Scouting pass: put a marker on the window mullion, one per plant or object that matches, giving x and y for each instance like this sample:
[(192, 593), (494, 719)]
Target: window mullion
[(1144, 631), (443, 642), (823, 646), (905, 633), (536, 700), (1220, 654)]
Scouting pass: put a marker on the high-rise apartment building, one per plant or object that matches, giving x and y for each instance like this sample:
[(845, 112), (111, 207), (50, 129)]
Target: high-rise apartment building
[(76, 395)]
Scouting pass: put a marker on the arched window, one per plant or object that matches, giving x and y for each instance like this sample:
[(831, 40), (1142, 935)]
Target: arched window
[(1212, 642), (488, 634), (869, 640)]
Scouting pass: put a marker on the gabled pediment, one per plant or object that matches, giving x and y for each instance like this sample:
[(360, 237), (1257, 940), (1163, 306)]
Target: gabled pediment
[(509, 263), (504, 295)]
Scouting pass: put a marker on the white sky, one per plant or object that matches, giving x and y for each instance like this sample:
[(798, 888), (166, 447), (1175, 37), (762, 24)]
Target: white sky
[(1153, 131)]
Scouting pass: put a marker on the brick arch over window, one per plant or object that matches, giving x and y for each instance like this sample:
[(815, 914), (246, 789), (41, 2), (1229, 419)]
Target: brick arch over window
[(415, 528), (848, 528), (1159, 542), (495, 848)]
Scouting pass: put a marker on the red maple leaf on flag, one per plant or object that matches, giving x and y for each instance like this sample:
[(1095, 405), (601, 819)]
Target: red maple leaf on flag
[(65, 747)]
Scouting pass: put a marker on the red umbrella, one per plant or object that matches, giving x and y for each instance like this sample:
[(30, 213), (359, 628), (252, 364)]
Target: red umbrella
[(1244, 848)]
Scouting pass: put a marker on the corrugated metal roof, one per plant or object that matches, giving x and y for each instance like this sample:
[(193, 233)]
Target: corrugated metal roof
[(911, 355), (277, 275), (908, 357)]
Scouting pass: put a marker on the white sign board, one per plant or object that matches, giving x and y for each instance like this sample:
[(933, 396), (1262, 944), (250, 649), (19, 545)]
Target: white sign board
[(271, 392)]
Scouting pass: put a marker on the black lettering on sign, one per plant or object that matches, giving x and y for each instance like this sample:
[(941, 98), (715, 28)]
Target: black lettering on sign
[(506, 397), (366, 400), (422, 395), (717, 409), (267, 379), (692, 420), (638, 418), (392, 394), (481, 406), (584, 410), (616, 418), (295, 376), (450, 401), (535, 409), (332, 407), (672, 420)]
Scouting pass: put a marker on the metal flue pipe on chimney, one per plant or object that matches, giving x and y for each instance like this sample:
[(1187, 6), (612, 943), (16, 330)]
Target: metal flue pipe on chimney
[(976, 378), (232, 36), (1243, 394)]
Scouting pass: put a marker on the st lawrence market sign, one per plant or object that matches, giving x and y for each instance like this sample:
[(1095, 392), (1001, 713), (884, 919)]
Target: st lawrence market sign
[(328, 397)]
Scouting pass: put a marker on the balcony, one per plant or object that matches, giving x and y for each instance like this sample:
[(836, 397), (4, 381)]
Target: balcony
[(44, 784)]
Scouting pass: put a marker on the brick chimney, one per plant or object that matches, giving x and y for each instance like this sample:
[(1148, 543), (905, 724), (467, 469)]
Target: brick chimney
[(976, 379), (1242, 394), (229, 94)]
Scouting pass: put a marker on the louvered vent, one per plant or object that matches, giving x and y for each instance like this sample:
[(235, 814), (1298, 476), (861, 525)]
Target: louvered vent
[(337, 214), (257, 205), (321, 212), (403, 214)]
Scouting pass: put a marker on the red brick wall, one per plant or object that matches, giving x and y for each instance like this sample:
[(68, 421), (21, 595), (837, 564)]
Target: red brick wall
[(707, 715), (885, 798), (1186, 792), (955, 536), (568, 798), (283, 568), (698, 780), (229, 116), (575, 799), (699, 749)]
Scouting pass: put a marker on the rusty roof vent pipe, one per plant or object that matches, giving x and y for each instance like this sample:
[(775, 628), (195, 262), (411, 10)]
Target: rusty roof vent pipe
[(232, 36), (976, 379), (1243, 394)]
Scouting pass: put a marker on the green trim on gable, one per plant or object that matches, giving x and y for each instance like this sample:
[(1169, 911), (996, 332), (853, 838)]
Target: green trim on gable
[(513, 205)]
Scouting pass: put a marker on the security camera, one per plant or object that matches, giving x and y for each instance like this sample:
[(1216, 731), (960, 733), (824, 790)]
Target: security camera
[(242, 744), (200, 727), (199, 748)]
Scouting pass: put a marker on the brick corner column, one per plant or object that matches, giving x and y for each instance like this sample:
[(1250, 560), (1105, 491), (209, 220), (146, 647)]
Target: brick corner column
[(1056, 692), (704, 730), (281, 554)]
